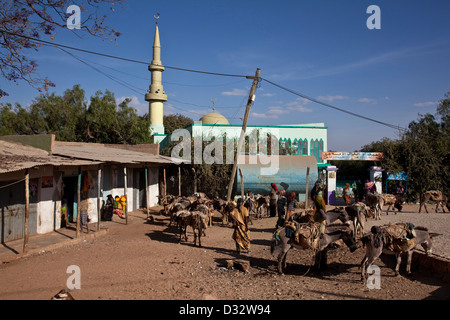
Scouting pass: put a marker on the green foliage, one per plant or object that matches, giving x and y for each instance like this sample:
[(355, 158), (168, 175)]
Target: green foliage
[(426, 155), (175, 121), (71, 118), (212, 179), (21, 20), (422, 151)]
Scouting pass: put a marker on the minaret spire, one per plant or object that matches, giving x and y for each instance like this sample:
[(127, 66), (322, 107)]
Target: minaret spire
[(156, 96)]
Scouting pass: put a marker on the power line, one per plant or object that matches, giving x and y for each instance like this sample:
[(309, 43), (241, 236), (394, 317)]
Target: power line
[(201, 106), (194, 71), (119, 81), (203, 85), (119, 58), (334, 107)]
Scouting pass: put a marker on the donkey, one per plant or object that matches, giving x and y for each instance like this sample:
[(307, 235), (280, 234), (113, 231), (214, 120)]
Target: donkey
[(197, 220), (374, 248), (358, 214), (331, 216), (437, 196), (375, 201), (262, 205), (281, 242)]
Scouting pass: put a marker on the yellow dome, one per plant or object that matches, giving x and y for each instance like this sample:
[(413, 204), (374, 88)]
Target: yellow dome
[(214, 118)]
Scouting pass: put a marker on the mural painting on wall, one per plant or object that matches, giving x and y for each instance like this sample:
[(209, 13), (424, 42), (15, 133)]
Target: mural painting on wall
[(368, 156), (47, 182)]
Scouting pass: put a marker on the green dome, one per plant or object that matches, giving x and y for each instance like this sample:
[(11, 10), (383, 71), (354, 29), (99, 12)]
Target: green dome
[(214, 118)]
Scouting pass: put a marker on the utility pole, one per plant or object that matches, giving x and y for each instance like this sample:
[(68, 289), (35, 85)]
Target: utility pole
[(251, 99)]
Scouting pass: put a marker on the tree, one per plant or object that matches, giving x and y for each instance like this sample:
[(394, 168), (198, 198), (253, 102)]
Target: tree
[(212, 179), (443, 111), (422, 151), (175, 121), (134, 129), (71, 118), (425, 149), (21, 21)]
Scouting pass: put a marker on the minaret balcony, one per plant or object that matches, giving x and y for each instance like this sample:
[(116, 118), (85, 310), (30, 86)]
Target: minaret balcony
[(156, 67), (155, 97)]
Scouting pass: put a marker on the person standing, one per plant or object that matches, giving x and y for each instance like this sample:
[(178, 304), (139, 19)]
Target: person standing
[(370, 187), (399, 190), (399, 196), (319, 204), (273, 200), (281, 207), (241, 234), (347, 194), (292, 201)]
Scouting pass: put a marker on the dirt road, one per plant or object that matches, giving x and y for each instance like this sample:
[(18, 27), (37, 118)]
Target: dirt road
[(145, 261)]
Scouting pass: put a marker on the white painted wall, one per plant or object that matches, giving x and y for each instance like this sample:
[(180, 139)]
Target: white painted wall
[(49, 198), (153, 182)]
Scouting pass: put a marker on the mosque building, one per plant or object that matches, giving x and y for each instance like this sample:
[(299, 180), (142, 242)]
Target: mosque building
[(296, 139)]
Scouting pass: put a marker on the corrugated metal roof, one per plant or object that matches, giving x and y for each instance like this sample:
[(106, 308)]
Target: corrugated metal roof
[(16, 149), (15, 157), (98, 152)]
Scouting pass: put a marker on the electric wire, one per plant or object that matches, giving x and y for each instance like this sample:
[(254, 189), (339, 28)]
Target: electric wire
[(60, 46), (119, 58), (119, 81), (333, 107)]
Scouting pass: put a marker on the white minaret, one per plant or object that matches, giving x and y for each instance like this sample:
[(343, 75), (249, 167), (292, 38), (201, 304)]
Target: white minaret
[(156, 95)]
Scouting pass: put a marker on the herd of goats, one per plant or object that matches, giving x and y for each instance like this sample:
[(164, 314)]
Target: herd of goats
[(303, 231)]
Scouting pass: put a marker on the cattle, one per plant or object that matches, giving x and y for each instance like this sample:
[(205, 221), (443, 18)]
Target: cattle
[(434, 196)]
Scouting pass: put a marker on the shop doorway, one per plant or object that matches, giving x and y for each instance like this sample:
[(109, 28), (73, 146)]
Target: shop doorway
[(69, 198)]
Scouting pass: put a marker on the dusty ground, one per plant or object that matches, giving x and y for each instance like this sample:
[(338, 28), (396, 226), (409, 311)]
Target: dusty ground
[(145, 261)]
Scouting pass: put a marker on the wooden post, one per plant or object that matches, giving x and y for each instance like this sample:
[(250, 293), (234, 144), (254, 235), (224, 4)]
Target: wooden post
[(125, 184), (242, 183), (78, 201), (165, 182), (99, 196), (195, 180), (179, 181), (306, 191), (147, 196), (27, 210), (244, 128)]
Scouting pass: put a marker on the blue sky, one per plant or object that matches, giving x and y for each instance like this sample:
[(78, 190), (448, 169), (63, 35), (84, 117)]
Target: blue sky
[(322, 49)]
